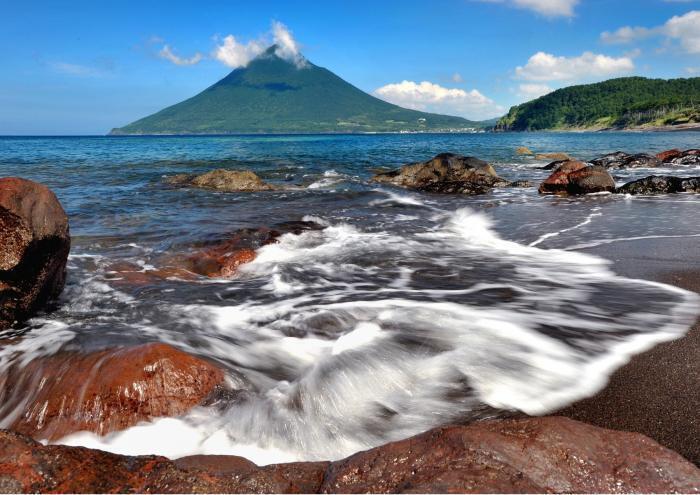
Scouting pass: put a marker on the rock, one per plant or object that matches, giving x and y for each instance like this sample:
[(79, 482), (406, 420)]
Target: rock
[(222, 258), (574, 177), (541, 455), (34, 242), (552, 156), (668, 155), (523, 150), (661, 184), (620, 159), (103, 391), (223, 180), (688, 157), (536, 455), (445, 173)]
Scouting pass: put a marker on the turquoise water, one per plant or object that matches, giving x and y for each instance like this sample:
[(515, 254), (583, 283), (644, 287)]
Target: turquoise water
[(407, 310)]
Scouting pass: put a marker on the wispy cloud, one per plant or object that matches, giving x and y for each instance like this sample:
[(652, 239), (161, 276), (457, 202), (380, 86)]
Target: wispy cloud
[(77, 69), (428, 96), (547, 8), (682, 28), (588, 66), (167, 53)]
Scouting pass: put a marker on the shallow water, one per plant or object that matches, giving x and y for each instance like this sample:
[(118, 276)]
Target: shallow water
[(405, 312)]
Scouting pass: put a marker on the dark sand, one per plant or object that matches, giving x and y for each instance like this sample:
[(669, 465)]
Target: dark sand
[(658, 392)]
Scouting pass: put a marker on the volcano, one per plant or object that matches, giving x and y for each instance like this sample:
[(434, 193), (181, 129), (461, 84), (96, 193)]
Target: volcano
[(275, 95)]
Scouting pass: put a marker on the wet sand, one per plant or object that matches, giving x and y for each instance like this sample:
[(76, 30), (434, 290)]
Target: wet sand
[(658, 392)]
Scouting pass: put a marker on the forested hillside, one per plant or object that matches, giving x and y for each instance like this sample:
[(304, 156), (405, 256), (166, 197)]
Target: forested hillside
[(617, 103)]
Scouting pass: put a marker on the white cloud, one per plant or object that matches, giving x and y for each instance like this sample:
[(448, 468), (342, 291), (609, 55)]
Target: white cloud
[(457, 77), (626, 34), (530, 91), (548, 8), (683, 28), (235, 54), (547, 67), (686, 29), (692, 70), (168, 54), (431, 97)]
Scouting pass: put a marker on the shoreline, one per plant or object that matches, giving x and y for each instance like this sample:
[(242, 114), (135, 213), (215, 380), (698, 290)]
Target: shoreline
[(657, 393)]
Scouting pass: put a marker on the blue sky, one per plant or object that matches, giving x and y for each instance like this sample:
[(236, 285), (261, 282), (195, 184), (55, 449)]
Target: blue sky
[(84, 67)]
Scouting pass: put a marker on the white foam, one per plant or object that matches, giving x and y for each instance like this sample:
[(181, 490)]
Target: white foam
[(355, 338)]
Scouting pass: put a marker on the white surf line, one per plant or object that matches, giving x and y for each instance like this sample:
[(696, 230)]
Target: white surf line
[(588, 220), (623, 239)]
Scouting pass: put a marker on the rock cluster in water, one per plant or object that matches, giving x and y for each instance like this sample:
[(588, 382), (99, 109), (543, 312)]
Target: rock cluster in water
[(35, 243), (537, 455), (575, 177), (447, 173)]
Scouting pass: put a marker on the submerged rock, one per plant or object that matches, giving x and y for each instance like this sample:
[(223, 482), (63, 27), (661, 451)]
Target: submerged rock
[(620, 159), (103, 391), (537, 455), (223, 180), (219, 258), (553, 156), (34, 246), (661, 184), (445, 173), (523, 150), (574, 177)]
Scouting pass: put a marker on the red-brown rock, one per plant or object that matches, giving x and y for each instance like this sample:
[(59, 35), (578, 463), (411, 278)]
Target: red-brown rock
[(537, 455), (34, 246), (668, 155), (575, 177), (543, 455), (103, 391)]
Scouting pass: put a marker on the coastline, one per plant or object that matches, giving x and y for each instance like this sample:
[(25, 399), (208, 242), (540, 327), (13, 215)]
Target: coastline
[(657, 392)]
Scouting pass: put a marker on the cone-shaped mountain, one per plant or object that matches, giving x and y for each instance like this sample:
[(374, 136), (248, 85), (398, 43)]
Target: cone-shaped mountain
[(274, 95)]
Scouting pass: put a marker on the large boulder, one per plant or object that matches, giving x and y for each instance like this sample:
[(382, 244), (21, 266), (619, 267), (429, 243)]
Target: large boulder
[(223, 180), (574, 177), (661, 184), (537, 455), (103, 391), (445, 173), (620, 159), (34, 246)]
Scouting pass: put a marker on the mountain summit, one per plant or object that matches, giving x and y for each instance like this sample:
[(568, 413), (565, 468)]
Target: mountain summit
[(274, 95)]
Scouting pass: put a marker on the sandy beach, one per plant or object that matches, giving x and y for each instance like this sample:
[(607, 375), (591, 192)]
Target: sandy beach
[(658, 392)]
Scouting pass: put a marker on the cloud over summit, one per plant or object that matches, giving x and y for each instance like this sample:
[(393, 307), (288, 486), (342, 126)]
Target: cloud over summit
[(234, 53)]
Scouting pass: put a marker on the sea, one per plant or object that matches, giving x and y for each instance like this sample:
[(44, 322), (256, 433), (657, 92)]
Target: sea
[(406, 311)]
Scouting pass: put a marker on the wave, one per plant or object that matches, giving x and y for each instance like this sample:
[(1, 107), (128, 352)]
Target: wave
[(344, 338)]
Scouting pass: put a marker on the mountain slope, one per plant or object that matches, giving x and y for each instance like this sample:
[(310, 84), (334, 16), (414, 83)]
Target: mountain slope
[(618, 103), (272, 95)]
